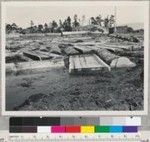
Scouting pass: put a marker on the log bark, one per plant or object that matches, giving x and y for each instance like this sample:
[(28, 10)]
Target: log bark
[(132, 53), (106, 55)]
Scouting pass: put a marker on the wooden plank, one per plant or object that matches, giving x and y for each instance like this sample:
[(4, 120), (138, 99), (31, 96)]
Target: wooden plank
[(92, 63), (86, 61), (71, 64), (83, 61), (77, 62)]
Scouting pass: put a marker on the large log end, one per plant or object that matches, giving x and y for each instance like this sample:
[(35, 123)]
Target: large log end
[(122, 62)]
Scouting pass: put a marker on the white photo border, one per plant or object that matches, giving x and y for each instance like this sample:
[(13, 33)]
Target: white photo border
[(76, 113)]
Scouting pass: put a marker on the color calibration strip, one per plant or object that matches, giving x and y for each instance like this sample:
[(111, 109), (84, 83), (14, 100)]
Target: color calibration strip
[(74, 125), (83, 121), (90, 129), (74, 129)]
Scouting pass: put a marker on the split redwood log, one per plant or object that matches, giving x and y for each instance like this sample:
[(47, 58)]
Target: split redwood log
[(132, 53), (113, 60), (106, 55)]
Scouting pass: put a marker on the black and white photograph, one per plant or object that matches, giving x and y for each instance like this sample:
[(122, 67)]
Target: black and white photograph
[(74, 56)]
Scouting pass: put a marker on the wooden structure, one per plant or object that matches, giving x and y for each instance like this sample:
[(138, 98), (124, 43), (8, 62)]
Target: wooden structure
[(39, 55), (86, 62)]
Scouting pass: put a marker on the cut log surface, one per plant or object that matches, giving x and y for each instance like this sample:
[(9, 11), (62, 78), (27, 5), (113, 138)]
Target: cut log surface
[(86, 62), (122, 62), (113, 60)]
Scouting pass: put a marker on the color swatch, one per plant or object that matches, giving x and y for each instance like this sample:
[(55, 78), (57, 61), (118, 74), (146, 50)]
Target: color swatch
[(80, 125), (87, 129), (58, 129), (74, 129)]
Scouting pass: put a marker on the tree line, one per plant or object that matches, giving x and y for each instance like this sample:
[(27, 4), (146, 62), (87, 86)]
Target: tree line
[(68, 24)]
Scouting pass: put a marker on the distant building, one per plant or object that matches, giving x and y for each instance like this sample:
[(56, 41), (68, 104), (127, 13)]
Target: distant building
[(121, 29), (124, 29)]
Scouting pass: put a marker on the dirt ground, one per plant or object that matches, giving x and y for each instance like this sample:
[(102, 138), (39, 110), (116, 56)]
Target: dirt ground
[(56, 89)]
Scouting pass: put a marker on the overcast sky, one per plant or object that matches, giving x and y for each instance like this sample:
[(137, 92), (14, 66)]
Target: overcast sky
[(40, 13)]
